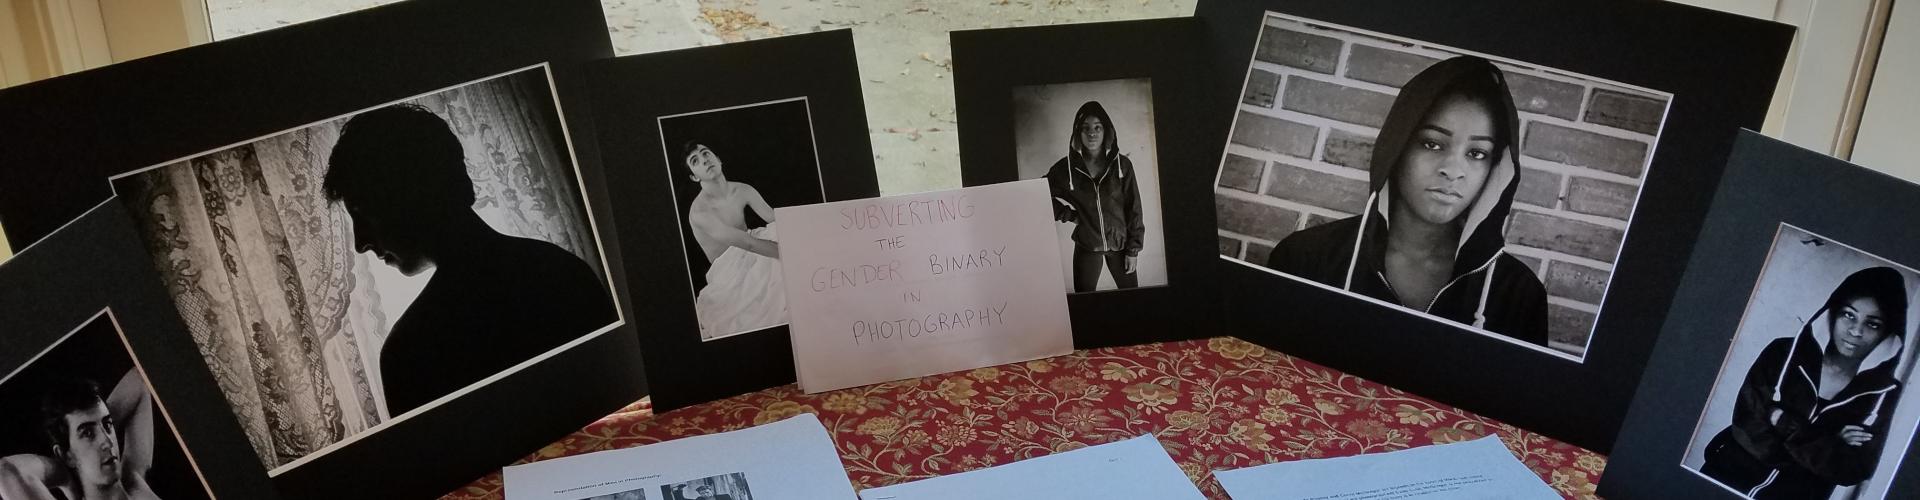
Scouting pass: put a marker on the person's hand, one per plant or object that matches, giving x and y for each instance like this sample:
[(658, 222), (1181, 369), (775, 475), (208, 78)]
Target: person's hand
[(1063, 211), (1133, 263), (1855, 435), (1773, 417)]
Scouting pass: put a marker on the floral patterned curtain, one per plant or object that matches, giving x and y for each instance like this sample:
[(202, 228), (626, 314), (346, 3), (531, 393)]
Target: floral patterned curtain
[(287, 316)]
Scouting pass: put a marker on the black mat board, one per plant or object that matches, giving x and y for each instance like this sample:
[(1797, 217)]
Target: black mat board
[(988, 64), (95, 263), (1767, 183), (1721, 69), (61, 138), (633, 93)]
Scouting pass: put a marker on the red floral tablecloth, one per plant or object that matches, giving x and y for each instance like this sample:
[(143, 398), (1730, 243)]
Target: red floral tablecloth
[(1216, 404)]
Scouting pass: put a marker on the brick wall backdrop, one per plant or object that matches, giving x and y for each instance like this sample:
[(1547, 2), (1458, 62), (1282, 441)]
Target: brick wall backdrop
[(1314, 100)]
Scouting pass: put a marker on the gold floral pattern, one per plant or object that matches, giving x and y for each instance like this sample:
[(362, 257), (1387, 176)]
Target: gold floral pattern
[(780, 410), (1216, 404)]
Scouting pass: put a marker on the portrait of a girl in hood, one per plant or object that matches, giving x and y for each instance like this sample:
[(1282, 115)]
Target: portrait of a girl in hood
[(1444, 170), (1095, 188), (1096, 145), (1812, 410)]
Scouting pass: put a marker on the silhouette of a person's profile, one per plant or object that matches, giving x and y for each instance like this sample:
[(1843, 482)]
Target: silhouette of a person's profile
[(493, 301)]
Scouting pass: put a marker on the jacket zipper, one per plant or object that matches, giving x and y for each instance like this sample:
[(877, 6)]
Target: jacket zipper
[(1815, 417), (1099, 203), (1854, 397), (1100, 206), (1815, 386), (1763, 484), (1443, 289), (1818, 411)]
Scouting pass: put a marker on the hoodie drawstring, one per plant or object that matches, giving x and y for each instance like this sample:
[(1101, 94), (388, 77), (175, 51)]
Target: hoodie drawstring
[(1353, 260), (1782, 379), (1071, 184), (1486, 286), (1874, 415)]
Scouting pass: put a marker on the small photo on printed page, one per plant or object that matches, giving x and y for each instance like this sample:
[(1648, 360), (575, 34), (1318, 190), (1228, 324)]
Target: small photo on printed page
[(725, 466)]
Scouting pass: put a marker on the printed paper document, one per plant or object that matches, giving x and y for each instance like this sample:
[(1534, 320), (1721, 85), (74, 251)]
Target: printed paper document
[(1477, 469), (1134, 468), (791, 459)]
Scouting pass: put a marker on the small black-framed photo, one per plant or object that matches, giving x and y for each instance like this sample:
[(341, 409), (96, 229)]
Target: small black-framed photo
[(80, 420), (91, 402), (1814, 376), (1094, 143), (1782, 369), (1104, 112), (732, 167), (700, 145), (278, 96), (1398, 190), (351, 273)]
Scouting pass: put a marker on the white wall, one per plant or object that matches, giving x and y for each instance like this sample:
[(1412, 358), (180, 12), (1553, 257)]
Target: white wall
[(1818, 102), (1889, 137)]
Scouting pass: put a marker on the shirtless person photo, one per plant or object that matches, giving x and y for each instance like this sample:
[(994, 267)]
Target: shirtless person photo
[(743, 291), (101, 449)]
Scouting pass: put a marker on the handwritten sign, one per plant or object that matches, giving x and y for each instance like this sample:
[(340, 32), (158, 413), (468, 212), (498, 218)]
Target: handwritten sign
[(905, 286)]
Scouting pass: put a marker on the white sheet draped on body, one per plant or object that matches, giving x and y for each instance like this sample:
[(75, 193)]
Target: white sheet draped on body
[(744, 292)]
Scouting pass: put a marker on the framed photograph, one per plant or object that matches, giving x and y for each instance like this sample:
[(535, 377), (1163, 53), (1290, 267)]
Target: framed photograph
[(732, 167), (356, 271), (81, 419), (700, 145), (334, 330), (1512, 175), (1782, 370), (1104, 178), (1098, 110), (1452, 193), (89, 407)]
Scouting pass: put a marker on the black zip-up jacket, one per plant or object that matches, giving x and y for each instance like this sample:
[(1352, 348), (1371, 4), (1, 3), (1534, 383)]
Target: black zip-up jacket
[(1489, 289), (1801, 455), (1106, 208)]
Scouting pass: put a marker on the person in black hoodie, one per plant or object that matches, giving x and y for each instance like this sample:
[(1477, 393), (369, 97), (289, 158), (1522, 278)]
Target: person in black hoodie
[(1432, 238), (1094, 187), (1814, 408)]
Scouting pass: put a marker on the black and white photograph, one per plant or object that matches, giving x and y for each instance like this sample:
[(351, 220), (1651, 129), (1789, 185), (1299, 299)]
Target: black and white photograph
[(1094, 144), (1486, 193), (639, 494), (722, 487), (80, 421), (344, 274), (1807, 403), (730, 168)]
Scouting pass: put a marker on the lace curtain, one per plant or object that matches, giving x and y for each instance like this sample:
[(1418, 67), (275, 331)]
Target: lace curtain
[(287, 316)]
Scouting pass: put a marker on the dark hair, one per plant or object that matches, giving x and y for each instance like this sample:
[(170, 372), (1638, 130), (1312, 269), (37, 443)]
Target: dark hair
[(1882, 284), (65, 397), (686, 149), (399, 154)]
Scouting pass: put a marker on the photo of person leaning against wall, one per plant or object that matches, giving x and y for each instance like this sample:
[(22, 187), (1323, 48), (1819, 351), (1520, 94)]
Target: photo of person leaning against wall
[(1488, 194)]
